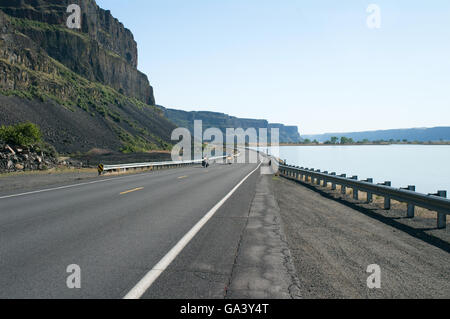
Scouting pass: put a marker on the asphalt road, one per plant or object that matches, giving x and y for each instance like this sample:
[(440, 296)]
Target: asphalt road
[(117, 229), (271, 238)]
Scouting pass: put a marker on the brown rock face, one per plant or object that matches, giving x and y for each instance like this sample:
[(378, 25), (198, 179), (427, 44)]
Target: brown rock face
[(103, 50), (100, 101)]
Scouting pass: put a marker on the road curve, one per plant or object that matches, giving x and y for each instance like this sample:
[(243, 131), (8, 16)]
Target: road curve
[(116, 230)]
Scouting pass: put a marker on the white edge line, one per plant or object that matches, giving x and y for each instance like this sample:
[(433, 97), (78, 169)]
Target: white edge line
[(146, 282), (67, 186)]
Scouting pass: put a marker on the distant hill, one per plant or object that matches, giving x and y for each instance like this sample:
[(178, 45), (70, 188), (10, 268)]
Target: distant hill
[(434, 134), (288, 134)]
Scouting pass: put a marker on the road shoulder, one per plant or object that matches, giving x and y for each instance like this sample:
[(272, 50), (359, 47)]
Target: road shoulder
[(263, 267), (333, 244)]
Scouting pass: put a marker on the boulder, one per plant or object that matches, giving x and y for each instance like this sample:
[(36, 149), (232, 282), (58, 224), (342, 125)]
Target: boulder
[(10, 150)]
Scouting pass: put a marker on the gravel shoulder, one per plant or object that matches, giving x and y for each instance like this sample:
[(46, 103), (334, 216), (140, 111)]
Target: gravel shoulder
[(26, 181), (32, 180), (333, 242)]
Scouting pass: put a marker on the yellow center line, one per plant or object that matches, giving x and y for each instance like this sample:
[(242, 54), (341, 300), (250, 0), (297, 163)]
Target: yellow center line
[(181, 177), (132, 190)]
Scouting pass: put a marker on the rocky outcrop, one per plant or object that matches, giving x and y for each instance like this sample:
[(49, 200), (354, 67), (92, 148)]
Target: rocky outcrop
[(103, 50), (288, 134), (17, 159)]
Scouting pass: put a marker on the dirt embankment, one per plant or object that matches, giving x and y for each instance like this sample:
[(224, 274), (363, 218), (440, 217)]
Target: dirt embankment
[(333, 241)]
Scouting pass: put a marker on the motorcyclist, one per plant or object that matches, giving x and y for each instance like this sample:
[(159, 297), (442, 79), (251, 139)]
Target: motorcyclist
[(205, 163)]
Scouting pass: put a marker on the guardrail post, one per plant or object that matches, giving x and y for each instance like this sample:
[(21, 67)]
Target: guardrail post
[(411, 208), (325, 181), (333, 185), (343, 187), (442, 217), (387, 199), (369, 195), (355, 190), (318, 180)]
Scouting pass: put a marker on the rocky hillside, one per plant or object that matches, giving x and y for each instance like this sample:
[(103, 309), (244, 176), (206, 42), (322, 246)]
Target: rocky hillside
[(288, 134), (82, 87)]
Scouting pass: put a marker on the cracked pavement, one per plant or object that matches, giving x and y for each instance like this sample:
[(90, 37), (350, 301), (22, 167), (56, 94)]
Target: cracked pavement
[(264, 267), (241, 253)]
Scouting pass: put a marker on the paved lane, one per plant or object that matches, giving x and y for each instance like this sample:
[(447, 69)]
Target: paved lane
[(115, 230)]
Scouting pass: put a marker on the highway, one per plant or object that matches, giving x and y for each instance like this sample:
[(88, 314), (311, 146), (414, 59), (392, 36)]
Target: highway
[(116, 229)]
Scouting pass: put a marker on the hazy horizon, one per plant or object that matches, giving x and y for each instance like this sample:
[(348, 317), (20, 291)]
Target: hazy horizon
[(313, 64), (389, 129)]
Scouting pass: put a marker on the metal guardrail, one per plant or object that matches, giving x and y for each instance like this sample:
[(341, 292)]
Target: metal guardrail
[(434, 202), (156, 165)]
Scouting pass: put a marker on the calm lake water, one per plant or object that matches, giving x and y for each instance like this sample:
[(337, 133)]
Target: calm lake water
[(427, 167)]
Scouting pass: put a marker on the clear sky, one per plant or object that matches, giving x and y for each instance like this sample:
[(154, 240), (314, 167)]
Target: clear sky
[(315, 63)]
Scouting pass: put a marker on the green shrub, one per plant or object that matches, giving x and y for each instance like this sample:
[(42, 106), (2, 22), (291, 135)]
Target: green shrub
[(23, 134)]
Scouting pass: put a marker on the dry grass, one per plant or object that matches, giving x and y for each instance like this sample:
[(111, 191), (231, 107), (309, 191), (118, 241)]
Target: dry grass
[(128, 172)]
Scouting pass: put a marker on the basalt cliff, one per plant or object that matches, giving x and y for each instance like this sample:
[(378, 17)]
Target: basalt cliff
[(81, 86), (288, 134)]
